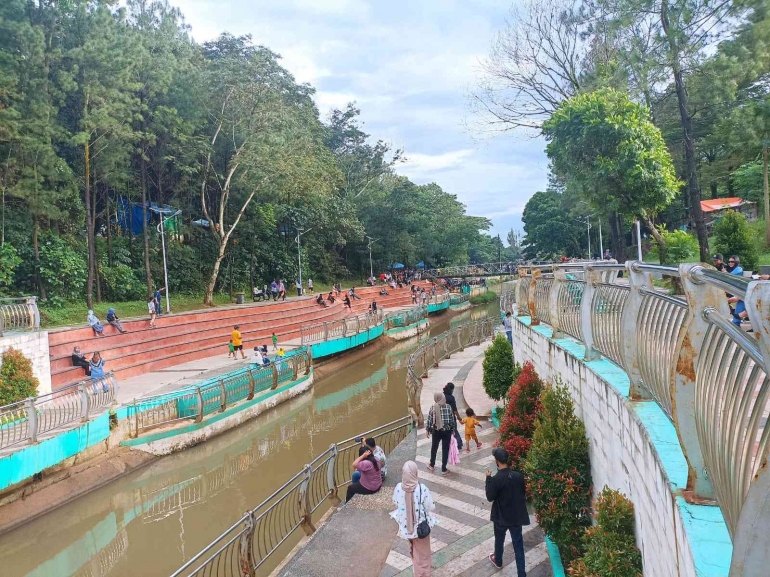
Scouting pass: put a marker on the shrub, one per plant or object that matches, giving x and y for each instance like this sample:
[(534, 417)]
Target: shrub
[(559, 473), (610, 546), (120, 283), (63, 269), (484, 298), (680, 246), (498, 368), (16, 379), (733, 235), (518, 424), (9, 260)]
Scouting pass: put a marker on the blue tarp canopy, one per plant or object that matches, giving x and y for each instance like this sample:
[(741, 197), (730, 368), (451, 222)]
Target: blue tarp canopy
[(420, 264), (398, 265)]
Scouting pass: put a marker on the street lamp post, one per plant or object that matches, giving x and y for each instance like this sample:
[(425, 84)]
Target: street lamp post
[(371, 268), (300, 232), (161, 229)]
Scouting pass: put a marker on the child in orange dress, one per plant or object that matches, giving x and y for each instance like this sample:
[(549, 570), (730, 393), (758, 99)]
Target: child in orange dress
[(470, 423)]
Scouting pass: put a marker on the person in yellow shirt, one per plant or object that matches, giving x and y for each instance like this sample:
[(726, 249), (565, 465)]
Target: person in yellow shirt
[(470, 423), (235, 336)]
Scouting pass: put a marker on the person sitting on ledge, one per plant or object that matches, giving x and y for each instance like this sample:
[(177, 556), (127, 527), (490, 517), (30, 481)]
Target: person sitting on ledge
[(80, 360), (330, 299), (371, 477), (384, 293), (352, 293), (97, 372), (95, 324), (114, 320), (320, 300), (346, 302)]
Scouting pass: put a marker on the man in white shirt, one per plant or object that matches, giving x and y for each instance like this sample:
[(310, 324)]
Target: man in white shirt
[(378, 454)]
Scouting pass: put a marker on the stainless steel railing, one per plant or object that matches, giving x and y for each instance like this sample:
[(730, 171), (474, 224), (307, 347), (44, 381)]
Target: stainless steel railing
[(458, 299), (19, 314), (27, 420), (215, 395), (684, 351), (434, 350), (344, 327), (406, 317), (249, 543)]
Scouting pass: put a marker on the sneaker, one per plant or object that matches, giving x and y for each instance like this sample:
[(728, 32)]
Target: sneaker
[(468, 449), (478, 445), (492, 560), (431, 468), (444, 472)]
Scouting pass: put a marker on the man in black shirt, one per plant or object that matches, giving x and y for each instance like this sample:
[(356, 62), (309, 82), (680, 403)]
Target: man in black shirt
[(450, 400), (506, 491), (719, 262)]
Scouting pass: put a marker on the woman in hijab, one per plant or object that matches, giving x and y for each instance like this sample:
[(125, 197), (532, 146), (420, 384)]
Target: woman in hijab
[(440, 424), (80, 360), (95, 324), (414, 504)]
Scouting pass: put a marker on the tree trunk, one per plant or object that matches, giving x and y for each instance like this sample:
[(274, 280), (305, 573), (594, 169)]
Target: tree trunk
[(714, 188), (696, 211), (109, 227), (98, 282), (208, 298), (145, 232), (617, 238), (89, 227), (36, 250), (662, 248), (94, 207), (767, 194)]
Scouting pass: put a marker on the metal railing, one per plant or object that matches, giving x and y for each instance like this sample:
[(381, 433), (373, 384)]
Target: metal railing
[(687, 353), (19, 314), (436, 349), (458, 299), (28, 420), (216, 394), (249, 542), (468, 270), (344, 327), (406, 317)]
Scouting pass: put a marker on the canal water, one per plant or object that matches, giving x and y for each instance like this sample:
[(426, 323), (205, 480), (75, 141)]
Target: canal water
[(150, 522)]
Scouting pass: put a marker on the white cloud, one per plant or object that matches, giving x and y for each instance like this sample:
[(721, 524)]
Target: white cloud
[(417, 165)]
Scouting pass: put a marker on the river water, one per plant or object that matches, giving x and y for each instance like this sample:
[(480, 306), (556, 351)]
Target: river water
[(150, 522)]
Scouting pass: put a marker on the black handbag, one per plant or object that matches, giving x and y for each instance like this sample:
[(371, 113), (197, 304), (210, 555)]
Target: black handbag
[(423, 528)]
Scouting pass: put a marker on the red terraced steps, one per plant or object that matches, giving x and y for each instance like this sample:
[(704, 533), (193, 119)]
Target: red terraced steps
[(189, 336)]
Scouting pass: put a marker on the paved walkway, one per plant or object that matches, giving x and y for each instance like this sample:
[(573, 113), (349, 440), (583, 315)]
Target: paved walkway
[(463, 539)]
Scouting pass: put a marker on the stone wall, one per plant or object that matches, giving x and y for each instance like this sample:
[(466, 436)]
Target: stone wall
[(34, 346), (634, 448)]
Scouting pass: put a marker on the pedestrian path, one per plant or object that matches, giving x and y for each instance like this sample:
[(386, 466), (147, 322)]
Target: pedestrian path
[(463, 538)]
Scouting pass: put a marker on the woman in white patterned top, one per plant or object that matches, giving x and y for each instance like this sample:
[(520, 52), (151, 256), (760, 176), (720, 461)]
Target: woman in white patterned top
[(414, 504)]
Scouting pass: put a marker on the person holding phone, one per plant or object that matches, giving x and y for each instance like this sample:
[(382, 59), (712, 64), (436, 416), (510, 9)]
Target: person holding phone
[(371, 478), (507, 493)]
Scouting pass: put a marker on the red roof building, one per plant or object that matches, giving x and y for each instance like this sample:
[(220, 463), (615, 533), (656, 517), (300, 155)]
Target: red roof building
[(716, 207)]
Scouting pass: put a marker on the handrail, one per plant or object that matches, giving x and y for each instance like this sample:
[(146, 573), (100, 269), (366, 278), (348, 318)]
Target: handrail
[(248, 544), (436, 349), (708, 375), (406, 317), (215, 394), (344, 327), (19, 314), (31, 418)]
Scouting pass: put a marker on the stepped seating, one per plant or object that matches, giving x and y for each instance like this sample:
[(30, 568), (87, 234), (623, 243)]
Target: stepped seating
[(184, 337)]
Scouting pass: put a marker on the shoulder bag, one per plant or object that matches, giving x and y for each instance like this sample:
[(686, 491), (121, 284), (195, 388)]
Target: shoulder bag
[(423, 527)]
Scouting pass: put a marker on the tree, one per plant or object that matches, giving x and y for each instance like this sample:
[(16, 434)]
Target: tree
[(260, 136), (498, 368), (521, 412), (550, 229), (733, 236), (607, 148), (682, 31), (16, 379)]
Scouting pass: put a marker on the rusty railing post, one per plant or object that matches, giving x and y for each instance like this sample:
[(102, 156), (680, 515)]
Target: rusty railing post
[(330, 480), (304, 501), (246, 559)]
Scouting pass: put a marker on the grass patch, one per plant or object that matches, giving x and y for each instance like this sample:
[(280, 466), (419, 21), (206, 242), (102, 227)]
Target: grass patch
[(484, 298)]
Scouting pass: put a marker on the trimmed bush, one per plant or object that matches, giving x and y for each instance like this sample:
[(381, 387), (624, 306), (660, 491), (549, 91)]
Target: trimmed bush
[(498, 368), (733, 236), (610, 545), (518, 424), (559, 472), (16, 379)]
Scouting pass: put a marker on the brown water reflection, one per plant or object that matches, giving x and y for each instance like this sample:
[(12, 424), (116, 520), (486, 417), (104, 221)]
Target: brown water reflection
[(150, 522)]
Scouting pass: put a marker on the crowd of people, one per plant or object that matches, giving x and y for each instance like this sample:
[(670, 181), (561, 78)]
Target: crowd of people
[(737, 306)]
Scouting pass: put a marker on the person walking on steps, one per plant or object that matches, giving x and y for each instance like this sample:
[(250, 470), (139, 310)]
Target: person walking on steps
[(449, 390), (508, 327), (439, 424), (414, 505), (237, 339), (157, 297), (507, 493)]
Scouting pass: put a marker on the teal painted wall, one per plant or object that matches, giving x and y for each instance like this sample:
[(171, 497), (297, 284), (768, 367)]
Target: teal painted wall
[(438, 307), (406, 328), (30, 460), (334, 346)]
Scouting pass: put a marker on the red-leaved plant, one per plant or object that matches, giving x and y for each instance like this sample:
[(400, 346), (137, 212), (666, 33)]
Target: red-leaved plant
[(521, 412)]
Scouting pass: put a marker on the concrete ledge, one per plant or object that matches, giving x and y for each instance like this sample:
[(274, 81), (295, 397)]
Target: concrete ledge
[(409, 331), (357, 537)]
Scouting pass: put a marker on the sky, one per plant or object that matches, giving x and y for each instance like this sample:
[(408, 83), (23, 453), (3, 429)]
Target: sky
[(409, 67)]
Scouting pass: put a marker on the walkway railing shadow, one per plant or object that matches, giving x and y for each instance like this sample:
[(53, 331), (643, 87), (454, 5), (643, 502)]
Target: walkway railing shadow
[(243, 548), (686, 353)]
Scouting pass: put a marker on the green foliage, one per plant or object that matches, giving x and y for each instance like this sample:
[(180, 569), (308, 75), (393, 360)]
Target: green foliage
[(747, 181), (521, 412), (733, 236), (484, 298), (498, 368), (16, 379), (120, 283), (680, 246), (9, 261), (606, 146), (559, 472), (610, 545), (63, 269), (550, 229)]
